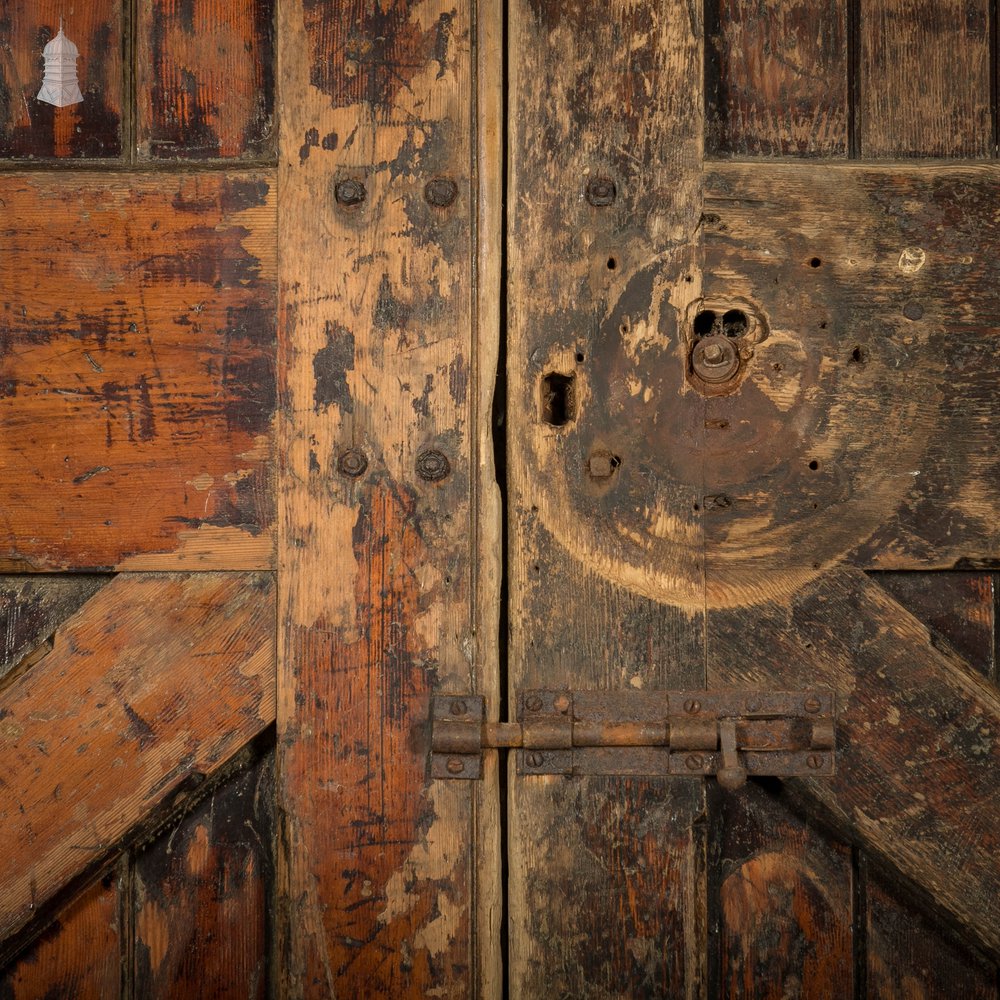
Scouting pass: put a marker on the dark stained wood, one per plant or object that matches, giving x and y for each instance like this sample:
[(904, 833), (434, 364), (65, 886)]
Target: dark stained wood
[(202, 901), (784, 902), (158, 680), (918, 733), (376, 868), (606, 876), (30, 128), (78, 956), (137, 340), (205, 79), (776, 78), (907, 957), (959, 608), (924, 87), (32, 607)]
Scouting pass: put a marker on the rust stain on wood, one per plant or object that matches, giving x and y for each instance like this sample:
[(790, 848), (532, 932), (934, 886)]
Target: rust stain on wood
[(138, 338)]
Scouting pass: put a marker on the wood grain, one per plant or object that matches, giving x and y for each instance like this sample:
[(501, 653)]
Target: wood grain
[(378, 607), (79, 954), (137, 356), (159, 679), (201, 901), (918, 734), (924, 86), (32, 129), (783, 894), (205, 79), (606, 876), (776, 78), (32, 608)]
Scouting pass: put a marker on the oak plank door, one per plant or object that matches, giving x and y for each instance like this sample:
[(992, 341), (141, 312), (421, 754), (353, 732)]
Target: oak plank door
[(251, 521)]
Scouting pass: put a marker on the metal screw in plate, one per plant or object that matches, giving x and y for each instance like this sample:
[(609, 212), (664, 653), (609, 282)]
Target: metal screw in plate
[(691, 706), (534, 759), (455, 765), (815, 761), (352, 463), (349, 192), (753, 706), (533, 703), (433, 465), (812, 704), (601, 191), (695, 762), (458, 708), (441, 192)]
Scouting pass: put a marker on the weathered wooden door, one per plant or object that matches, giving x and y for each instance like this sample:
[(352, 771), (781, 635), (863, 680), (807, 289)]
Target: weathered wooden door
[(375, 350)]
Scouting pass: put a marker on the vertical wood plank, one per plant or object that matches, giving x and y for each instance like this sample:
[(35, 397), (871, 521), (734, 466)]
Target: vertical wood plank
[(925, 78), (78, 956), (202, 902), (378, 186), (32, 129), (776, 78), (784, 902), (205, 79), (606, 884)]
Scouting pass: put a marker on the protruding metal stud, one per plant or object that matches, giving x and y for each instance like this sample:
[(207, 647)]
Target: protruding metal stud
[(433, 465), (352, 463), (349, 192), (441, 192), (601, 191)]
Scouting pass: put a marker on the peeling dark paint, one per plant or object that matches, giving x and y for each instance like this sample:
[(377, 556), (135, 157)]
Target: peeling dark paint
[(330, 367)]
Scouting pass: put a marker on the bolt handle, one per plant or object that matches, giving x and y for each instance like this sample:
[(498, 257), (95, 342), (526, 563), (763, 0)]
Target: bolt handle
[(731, 775)]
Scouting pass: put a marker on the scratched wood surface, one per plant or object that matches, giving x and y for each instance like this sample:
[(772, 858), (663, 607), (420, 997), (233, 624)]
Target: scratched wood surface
[(606, 877), (137, 371), (32, 129), (377, 188), (776, 78), (205, 79), (158, 679), (202, 893), (924, 80)]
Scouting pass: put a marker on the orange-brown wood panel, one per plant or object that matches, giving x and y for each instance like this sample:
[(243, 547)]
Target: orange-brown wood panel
[(30, 128), (137, 341), (202, 903), (79, 955), (782, 897), (924, 84), (776, 77), (205, 79), (158, 680)]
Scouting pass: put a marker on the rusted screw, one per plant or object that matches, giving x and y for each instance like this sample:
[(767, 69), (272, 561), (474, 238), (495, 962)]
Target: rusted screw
[(812, 704), (441, 192), (455, 765), (753, 706), (535, 759), (349, 192), (695, 762), (458, 708), (691, 706), (601, 191), (815, 761), (433, 465), (562, 704), (533, 703), (352, 463)]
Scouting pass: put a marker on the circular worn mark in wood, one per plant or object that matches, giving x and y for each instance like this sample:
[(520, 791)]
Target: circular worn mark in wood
[(731, 499)]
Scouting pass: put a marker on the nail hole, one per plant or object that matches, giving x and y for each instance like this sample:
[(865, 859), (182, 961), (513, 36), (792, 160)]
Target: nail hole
[(859, 355), (814, 465), (579, 357), (815, 262), (704, 322), (612, 263), (735, 323), (697, 506), (558, 402)]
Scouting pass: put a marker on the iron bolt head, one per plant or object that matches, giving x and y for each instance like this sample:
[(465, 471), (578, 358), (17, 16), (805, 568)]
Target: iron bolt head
[(815, 761), (535, 759), (812, 704), (433, 465), (691, 706), (533, 703), (441, 192), (753, 706), (601, 191), (695, 762), (455, 765), (458, 708), (352, 463), (715, 359), (349, 192), (600, 465)]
